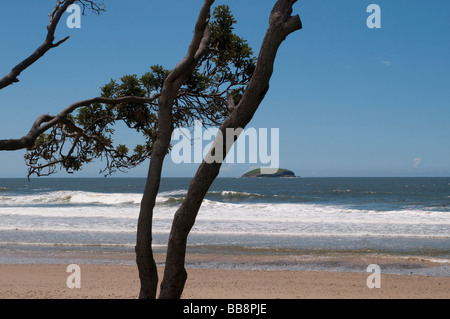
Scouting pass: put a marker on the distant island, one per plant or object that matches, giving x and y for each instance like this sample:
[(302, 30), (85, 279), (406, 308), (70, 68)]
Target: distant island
[(282, 172)]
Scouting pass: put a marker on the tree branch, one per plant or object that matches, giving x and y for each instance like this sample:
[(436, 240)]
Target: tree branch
[(48, 44), (198, 44), (281, 25), (172, 84), (45, 122)]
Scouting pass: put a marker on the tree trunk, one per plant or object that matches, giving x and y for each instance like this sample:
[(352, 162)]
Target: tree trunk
[(177, 77), (148, 274), (281, 24)]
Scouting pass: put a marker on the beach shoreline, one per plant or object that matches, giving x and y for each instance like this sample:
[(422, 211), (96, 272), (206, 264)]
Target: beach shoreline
[(101, 279)]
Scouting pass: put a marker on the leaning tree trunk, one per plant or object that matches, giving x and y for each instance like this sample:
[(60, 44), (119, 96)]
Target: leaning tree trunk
[(281, 24), (177, 77), (148, 273)]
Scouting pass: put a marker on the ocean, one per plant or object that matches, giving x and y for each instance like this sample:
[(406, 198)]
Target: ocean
[(303, 218)]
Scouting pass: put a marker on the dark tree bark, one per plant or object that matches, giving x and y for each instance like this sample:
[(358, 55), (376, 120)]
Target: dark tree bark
[(177, 77), (281, 24)]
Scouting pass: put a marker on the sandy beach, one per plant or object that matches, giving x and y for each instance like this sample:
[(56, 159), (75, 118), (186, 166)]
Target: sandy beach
[(103, 281)]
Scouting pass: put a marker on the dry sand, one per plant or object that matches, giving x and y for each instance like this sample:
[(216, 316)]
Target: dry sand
[(48, 281)]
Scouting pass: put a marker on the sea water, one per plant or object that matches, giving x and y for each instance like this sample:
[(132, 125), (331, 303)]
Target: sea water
[(292, 216)]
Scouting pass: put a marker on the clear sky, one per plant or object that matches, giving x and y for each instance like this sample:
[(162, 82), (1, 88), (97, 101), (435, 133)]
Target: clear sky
[(348, 100)]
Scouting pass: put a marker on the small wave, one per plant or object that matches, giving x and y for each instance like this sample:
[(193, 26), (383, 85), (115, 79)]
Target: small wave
[(319, 234), (215, 197), (68, 244), (174, 193), (171, 197), (108, 199), (342, 191), (58, 199), (429, 259), (176, 197), (66, 197), (169, 200), (90, 198), (236, 195)]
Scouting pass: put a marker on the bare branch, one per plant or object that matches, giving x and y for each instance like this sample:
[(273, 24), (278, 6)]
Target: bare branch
[(93, 5), (199, 43), (48, 44)]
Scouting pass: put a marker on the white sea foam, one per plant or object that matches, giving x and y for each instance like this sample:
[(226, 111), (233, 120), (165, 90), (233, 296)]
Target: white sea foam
[(107, 199), (118, 212), (226, 218), (428, 259), (71, 197), (97, 198), (315, 234), (235, 194), (80, 198), (173, 193)]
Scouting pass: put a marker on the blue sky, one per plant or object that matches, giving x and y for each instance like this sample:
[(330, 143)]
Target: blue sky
[(348, 100)]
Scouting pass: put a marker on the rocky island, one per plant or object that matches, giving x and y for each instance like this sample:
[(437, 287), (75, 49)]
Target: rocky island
[(282, 172)]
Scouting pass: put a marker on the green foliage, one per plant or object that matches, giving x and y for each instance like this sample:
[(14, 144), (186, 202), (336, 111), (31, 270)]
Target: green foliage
[(122, 150), (153, 81), (233, 56), (135, 115), (89, 133)]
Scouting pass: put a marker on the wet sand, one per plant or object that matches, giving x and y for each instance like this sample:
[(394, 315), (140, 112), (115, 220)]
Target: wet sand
[(121, 281)]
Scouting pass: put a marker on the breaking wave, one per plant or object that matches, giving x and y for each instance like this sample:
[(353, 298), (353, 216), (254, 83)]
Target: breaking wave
[(67, 197), (94, 198)]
